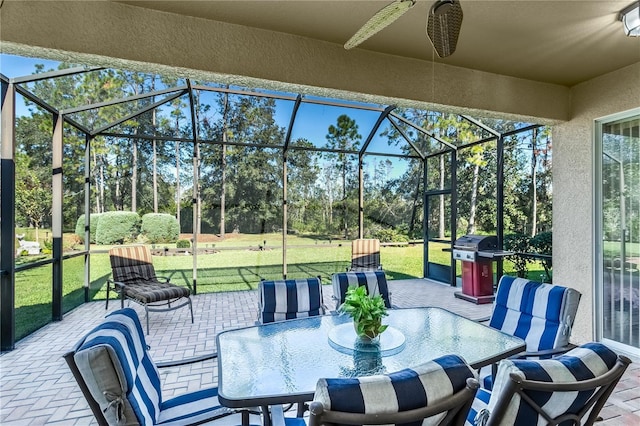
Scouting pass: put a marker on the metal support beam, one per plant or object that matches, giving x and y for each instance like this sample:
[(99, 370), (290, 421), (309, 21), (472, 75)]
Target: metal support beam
[(196, 185), (285, 215), (87, 217), (454, 211), (360, 197), (500, 202), (56, 215), (375, 127), (7, 217), (425, 222), (294, 113)]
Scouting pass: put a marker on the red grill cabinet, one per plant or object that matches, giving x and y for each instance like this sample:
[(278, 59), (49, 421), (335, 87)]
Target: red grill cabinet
[(475, 254)]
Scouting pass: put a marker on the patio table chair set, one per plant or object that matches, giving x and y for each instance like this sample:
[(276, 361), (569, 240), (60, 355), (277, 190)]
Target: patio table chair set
[(121, 383)]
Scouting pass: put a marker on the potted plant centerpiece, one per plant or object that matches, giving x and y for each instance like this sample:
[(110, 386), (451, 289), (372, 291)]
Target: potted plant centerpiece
[(366, 311)]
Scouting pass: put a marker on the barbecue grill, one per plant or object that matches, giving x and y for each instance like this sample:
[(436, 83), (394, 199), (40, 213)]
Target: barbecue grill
[(477, 252), (471, 247)]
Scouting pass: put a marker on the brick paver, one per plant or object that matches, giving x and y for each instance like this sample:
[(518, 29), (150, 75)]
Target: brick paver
[(37, 388)]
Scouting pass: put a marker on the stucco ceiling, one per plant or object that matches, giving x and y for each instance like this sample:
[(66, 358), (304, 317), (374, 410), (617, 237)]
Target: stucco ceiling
[(560, 42)]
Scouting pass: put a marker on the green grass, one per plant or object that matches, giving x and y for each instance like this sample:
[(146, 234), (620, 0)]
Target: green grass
[(229, 269)]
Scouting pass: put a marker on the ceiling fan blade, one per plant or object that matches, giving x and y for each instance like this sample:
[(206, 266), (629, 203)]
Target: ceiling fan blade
[(381, 19)]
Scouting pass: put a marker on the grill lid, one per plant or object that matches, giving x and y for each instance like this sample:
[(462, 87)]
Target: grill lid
[(476, 243)]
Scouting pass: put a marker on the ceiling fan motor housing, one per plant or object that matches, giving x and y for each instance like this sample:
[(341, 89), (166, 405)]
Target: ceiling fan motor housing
[(443, 26)]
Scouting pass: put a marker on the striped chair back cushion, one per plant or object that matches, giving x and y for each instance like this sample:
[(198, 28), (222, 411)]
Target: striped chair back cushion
[(131, 264), (541, 314), (289, 299), (365, 253), (585, 362), (375, 281), (121, 336), (404, 390)]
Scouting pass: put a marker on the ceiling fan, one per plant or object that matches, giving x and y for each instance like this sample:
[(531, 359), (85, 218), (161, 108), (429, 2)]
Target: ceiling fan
[(443, 24)]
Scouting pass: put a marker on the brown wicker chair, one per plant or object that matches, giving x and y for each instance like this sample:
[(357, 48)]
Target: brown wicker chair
[(134, 278)]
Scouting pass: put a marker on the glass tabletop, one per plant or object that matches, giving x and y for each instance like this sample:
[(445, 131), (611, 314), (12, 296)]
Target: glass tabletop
[(282, 361)]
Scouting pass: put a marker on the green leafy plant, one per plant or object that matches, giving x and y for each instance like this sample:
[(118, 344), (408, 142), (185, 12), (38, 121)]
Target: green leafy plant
[(366, 311)]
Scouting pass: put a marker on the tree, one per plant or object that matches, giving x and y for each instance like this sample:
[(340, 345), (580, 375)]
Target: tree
[(343, 136), (33, 195)]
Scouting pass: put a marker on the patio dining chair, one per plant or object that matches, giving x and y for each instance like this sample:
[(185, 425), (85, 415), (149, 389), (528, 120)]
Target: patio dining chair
[(570, 389), (121, 383), (375, 282), (290, 299), (365, 255), (134, 278), (438, 392), (540, 314)]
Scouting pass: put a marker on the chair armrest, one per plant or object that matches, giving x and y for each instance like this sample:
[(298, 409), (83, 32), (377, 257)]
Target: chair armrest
[(118, 284), (546, 352), (187, 361), (166, 279)]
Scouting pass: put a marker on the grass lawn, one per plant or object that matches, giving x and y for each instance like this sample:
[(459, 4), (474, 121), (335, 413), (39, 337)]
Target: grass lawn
[(237, 265)]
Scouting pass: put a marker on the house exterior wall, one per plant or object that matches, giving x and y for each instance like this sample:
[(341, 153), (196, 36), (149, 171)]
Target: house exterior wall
[(574, 246), (122, 36)]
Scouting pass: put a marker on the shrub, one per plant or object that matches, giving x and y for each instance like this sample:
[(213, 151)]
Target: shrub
[(542, 243), (117, 227), (160, 228), (390, 236), (94, 219), (183, 244), (520, 244)]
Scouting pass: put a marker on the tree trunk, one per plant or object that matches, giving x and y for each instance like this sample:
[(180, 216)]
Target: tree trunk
[(471, 227), (97, 185), (414, 208), (101, 188), (178, 181)]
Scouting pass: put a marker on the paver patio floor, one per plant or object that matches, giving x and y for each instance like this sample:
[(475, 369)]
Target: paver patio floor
[(37, 388)]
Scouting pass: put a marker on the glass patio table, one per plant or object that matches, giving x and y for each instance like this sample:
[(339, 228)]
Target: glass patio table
[(281, 362)]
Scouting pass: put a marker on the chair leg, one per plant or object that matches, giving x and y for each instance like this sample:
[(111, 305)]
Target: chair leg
[(106, 307), (190, 308), (146, 311)]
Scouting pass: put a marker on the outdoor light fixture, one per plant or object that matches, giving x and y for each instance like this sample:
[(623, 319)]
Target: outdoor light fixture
[(443, 26), (630, 17)]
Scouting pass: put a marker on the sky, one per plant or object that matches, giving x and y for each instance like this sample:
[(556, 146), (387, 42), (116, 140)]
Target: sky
[(312, 120)]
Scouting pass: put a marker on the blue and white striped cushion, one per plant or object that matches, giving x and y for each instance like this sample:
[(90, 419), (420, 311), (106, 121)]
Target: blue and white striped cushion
[(404, 390), (289, 299), (192, 408), (123, 334), (582, 363), (541, 314), (375, 281)]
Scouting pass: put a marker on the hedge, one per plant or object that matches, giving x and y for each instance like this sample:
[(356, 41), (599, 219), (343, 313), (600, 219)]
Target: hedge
[(117, 228), (94, 219), (160, 228)]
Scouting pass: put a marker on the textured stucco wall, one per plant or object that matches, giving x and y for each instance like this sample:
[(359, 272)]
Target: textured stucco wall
[(573, 185), (95, 32), (123, 36)]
